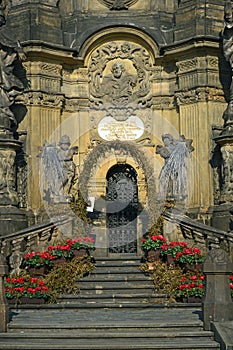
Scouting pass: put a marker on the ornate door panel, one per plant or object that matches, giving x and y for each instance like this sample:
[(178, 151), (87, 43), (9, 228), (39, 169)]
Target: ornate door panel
[(122, 209)]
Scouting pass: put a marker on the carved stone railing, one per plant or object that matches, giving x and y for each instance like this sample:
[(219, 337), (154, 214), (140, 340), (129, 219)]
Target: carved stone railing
[(208, 236), (37, 237)]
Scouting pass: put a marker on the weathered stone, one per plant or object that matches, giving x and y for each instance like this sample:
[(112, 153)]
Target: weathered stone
[(217, 305), (4, 308)]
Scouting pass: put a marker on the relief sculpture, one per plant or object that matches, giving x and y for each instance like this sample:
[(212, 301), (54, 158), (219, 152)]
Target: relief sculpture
[(119, 85), (10, 85), (120, 74)]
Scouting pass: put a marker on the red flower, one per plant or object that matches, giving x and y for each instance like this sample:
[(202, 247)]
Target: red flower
[(201, 278), (33, 280), (194, 277), (178, 255)]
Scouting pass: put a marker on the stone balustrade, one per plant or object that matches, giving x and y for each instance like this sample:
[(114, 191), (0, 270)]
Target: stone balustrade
[(37, 237), (199, 233), (13, 247)]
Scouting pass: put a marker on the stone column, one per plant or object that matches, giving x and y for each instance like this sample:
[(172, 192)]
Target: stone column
[(4, 308), (217, 305)]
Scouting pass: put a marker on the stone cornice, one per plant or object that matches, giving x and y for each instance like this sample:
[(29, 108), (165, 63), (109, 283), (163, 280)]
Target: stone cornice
[(181, 47), (47, 50)]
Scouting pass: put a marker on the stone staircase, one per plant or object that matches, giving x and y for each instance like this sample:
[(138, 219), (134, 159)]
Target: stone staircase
[(116, 309)]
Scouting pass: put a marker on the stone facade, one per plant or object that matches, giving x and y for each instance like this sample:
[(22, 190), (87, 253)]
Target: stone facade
[(114, 76)]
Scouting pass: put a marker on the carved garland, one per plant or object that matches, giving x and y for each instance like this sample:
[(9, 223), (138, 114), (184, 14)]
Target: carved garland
[(102, 151)]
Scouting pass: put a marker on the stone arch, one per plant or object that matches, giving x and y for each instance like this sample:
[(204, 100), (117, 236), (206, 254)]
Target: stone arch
[(111, 153), (88, 42)]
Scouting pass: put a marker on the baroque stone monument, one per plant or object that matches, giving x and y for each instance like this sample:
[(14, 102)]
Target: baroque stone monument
[(114, 76)]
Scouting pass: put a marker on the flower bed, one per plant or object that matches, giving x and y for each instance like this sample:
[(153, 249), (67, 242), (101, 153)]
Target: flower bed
[(231, 285), (59, 277), (178, 273), (38, 259), (153, 242), (189, 256), (67, 251), (175, 252), (191, 286), (25, 287), (61, 251)]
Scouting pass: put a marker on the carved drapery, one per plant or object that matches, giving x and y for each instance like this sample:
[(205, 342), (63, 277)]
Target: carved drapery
[(58, 171)]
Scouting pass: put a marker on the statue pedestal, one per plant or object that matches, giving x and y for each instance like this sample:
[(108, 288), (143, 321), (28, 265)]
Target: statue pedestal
[(12, 218)]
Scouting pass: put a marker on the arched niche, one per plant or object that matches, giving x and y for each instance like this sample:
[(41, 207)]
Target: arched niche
[(92, 41)]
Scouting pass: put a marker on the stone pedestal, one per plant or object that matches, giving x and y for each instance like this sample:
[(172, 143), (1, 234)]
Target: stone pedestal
[(217, 305), (11, 218), (221, 216)]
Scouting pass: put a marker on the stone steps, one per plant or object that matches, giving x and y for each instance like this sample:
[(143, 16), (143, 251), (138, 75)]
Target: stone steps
[(107, 329), (116, 309), (115, 281)]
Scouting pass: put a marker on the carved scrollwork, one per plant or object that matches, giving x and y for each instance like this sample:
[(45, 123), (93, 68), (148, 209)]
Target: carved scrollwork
[(120, 73), (118, 4), (217, 256), (187, 65), (42, 99)]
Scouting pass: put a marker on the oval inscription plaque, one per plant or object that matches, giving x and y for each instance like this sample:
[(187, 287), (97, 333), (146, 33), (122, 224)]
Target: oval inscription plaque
[(128, 130)]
